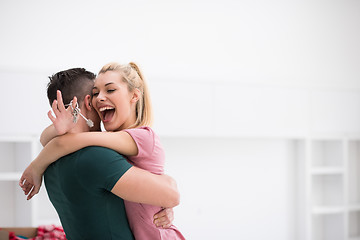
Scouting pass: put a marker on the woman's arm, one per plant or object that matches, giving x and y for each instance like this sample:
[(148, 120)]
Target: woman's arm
[(138, 185), (47, 135), (63, 145), (60, 146)]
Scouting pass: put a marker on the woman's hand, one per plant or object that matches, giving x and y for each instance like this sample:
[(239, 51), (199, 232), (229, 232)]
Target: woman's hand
[(164, 218), (63, 120), (30, 181)]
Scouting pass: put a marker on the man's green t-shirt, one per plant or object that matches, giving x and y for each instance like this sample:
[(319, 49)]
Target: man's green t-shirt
[(79, 186)]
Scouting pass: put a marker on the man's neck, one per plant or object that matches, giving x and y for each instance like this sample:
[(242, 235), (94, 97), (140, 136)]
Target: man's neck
[(80, 126)]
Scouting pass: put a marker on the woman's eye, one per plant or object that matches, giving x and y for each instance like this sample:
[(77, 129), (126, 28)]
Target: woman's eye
[(95, 94), (110, 90)]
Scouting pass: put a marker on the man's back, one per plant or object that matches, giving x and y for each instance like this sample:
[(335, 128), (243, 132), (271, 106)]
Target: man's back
[(79, 186)]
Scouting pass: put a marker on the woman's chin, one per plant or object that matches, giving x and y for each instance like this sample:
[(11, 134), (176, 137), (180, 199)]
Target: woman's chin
[(109, 127)]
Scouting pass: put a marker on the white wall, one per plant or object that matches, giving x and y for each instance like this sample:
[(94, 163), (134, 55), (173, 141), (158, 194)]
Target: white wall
[(284, 42), (232, 82), (234, 188)]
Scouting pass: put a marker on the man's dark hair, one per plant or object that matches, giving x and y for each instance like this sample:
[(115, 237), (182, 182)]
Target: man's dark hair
[(72, 82)]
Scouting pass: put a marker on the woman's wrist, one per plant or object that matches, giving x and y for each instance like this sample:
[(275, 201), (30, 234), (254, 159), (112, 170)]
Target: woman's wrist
[(37, 167)]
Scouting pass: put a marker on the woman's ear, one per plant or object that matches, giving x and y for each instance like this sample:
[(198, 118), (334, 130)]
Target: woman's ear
[(87, 102), (136, 95)]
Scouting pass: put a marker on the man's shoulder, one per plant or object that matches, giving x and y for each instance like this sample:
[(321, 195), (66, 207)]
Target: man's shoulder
[(99, 157), (97, 148), (100, 166), (96, 151)]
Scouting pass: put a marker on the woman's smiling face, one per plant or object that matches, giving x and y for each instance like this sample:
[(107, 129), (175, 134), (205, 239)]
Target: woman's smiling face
[(113, 101)]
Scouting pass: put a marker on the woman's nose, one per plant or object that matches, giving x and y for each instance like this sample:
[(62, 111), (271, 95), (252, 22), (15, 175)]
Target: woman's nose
[(101, 97)]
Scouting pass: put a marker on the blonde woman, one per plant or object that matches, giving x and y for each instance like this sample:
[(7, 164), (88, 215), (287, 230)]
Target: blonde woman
[(121, 98)]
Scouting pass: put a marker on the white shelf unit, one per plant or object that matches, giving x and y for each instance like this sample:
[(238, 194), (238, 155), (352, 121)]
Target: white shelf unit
[(16, 153), (353, 190), (332, 187)]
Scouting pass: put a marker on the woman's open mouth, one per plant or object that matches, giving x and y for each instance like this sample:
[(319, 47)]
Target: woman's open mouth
[(107, 113)]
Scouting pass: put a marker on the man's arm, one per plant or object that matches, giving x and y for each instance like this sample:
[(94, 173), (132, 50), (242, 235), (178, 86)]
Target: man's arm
[(104, 168), (138, 185), (100, 166)]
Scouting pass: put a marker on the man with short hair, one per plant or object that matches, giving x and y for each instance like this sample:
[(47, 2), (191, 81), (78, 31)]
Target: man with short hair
[(87, 186)]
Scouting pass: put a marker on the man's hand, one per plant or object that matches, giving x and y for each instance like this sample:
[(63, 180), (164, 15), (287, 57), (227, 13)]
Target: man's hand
[(30, 181), (164, 218), (63, 120)]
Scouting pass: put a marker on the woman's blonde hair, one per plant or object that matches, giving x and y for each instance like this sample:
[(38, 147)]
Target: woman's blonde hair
[(133, 77)]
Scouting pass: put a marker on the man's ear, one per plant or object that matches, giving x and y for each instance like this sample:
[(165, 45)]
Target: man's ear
[(136, 95), (87, 102)]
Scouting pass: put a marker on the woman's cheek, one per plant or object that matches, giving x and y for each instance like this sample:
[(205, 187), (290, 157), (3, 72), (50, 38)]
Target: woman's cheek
[(93, 102)]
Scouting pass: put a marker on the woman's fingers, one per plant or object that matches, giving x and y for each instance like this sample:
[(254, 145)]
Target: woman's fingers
[(27, 188), (59, 109), (167, 225), (164, 218), (55, 109), (60, 104), (34, 191), (163, 222), (22, 181), (25, 185), (51, 117), (74, 102)]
